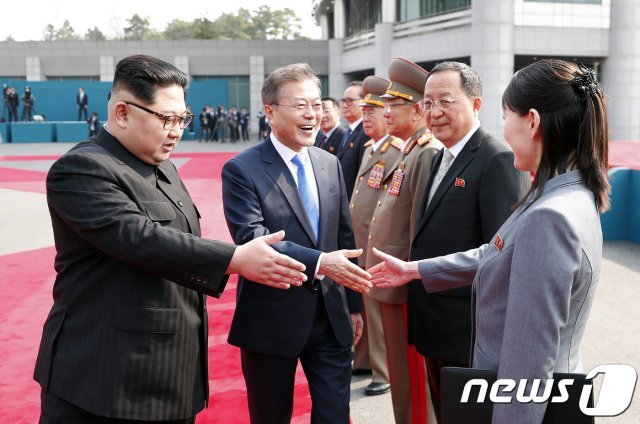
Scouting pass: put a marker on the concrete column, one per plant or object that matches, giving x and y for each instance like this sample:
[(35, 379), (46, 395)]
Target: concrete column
[(337, 80), (182, 63), (34, 70), (339, 19), (621, 71), (388, 11), (492, 55), (324, 25), (384, 37), (107, 68), (256, 79)]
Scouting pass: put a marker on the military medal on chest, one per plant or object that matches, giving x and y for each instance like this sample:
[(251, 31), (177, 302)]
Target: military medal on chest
[(396, 180), (376, 175)]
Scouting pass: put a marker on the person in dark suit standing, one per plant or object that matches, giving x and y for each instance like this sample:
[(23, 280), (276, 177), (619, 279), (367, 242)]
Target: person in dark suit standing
[(331, 132), (82, 102), (472, 190), (351, 147), (126, 338), (285, 183), (13, 101)]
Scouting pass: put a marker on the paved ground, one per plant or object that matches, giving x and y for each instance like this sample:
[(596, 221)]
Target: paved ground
[(611, 336)]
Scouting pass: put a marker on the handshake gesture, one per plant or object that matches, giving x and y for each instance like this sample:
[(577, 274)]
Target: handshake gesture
[(259, 262)]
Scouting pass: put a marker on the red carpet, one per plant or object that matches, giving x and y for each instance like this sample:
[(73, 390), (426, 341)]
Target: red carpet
[(27, 279)]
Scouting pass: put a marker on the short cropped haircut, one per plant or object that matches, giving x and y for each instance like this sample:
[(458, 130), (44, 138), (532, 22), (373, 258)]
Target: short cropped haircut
[(333, 101), (470, 80), (142, 75), (296, 72)]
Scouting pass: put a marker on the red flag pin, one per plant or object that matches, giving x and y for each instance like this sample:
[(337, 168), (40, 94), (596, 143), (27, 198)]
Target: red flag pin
[(499, 242), (460, 182)]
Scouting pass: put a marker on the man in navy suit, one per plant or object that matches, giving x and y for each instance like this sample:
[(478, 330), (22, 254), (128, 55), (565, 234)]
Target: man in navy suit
[(82, 101), (352, 147), (330, 136), (287, 184)]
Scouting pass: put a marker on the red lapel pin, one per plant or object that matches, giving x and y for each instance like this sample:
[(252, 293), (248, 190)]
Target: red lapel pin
[(499, 243), (460, 182)]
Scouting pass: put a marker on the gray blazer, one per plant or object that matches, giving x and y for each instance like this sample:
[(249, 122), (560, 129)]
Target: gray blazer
[(533, 286)]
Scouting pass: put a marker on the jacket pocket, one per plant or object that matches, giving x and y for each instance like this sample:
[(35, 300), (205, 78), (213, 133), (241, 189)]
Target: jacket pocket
[(147, 319), (159, 211)]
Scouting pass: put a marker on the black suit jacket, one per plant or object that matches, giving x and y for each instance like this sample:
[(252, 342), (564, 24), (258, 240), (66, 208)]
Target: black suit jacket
[(333, 143), (127, 334), (350, 156), (260, 197), (460, 217), (82, 102)]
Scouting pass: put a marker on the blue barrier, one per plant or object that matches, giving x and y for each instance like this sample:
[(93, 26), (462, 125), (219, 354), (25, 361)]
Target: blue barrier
[(5, 132), (71, 132), (33, 132), (622, 221)]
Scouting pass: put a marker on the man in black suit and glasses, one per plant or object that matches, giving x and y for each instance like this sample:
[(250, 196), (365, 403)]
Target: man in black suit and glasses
[(126, 338)]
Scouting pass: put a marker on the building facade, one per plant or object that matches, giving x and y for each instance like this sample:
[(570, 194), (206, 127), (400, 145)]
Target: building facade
[(496, 37)]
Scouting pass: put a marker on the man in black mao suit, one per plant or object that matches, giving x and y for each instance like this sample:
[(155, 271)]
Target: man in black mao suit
[(126, 338), (474, 198), (352, 147), (286, 183)]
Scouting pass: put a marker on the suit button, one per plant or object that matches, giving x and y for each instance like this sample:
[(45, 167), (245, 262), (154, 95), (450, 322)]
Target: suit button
[(369, 236), (385, 186), (361, 178), (373, 219), (180, 203), (379, 203), (353, 205), (370, 156)]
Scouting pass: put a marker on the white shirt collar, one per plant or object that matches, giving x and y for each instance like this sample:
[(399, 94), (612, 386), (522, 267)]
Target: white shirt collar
[(379, 142), (355, 124), (328, 133), (457, 148), (286, 153)]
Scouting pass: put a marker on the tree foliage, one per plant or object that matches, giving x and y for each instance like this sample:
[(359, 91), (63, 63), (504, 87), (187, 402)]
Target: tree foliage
[(260, 24)]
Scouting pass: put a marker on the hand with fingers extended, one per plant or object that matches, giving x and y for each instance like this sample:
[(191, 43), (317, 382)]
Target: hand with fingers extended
[(259, 262), (392, 272), (336, 265)]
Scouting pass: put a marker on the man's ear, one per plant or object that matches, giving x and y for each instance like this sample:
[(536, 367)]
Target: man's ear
[(121, 114), (477, 105), (268, 111)]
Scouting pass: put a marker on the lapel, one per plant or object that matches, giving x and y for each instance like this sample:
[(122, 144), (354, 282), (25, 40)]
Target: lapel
[(325, 185), (465, 157), (281, 176), (177, 194), (366, 166)]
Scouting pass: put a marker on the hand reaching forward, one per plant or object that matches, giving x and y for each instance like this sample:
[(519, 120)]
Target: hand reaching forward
[(257, 261), (392, 272), (336, 265)]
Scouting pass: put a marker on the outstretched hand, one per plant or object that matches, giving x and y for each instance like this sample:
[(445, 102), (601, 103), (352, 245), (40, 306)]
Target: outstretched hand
[(259, 262), (392, 272), (336, 265)]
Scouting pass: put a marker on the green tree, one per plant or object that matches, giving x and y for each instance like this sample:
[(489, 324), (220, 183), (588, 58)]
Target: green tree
[(235, 26), (66, 32), (49, 33), (179, 30), (204, 29), (9, 38), (276, 24), (140, 29), (95, 35)]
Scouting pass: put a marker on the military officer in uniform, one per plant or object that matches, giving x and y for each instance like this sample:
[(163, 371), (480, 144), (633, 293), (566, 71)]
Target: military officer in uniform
[(392, 228), (380, 153)]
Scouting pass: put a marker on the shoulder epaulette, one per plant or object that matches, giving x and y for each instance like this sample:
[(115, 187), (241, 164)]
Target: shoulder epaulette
[(369, 143), (425, 138), (396, 142)]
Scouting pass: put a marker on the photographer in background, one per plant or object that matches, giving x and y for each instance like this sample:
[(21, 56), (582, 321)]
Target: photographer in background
[(28, 100)]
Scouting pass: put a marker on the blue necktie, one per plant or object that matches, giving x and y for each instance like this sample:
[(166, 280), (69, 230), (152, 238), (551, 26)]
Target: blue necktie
[(345, 138), (304, 188)]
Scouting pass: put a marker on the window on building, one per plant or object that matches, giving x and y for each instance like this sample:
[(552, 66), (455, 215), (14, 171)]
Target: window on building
[(412, 9), (362, 16)]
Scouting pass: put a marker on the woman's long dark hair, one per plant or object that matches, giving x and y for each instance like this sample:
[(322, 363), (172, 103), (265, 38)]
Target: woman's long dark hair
[(573, 121)]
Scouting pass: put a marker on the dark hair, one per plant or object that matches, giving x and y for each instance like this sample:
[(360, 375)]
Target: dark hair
[(356, 83), (141, 75), (470, 80), (333, 100), (290, 73), (573, 121)]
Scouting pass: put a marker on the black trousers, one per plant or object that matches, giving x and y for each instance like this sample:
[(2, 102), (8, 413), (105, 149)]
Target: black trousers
[(55, 410)]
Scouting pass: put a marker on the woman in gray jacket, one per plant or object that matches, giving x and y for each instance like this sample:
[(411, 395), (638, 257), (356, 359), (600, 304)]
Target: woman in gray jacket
[(533, 284)]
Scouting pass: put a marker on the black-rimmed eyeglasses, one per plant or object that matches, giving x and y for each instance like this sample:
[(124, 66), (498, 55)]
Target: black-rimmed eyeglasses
[(170, 121)]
